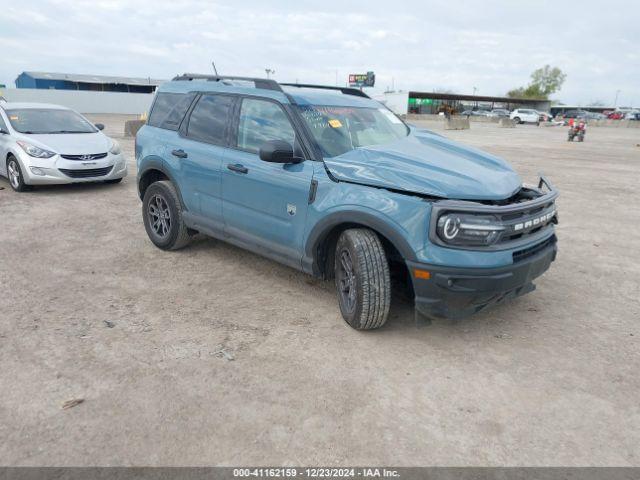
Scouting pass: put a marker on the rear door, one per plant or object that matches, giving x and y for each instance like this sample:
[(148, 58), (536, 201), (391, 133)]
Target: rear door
[(265, 204), (200, 151)]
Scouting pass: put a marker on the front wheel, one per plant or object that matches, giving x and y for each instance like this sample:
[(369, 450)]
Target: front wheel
[(14, 174), (362, 279), (517, 120), (162, 215)]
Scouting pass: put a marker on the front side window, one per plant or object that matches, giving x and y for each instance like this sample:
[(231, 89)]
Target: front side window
[(341, 129), (48, 121), (169, 109), (261, 121), (209, 119)]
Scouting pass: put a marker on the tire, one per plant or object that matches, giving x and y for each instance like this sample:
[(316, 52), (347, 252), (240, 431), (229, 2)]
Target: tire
[(363, 282), (162, 215), (517, 119), (14, 175), (113, 180)]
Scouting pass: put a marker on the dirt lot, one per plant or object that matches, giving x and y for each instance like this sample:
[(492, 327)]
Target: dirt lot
[(91, 309)]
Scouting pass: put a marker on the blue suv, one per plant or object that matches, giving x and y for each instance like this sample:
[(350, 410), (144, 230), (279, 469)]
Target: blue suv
[(330, 182)]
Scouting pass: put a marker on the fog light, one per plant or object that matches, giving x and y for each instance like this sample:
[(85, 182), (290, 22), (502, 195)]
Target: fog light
[(38, 171)]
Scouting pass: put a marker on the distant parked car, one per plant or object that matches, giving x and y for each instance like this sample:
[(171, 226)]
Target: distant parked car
[(500, 112), (594, 116), (475, 113), (50, 144), (525, 115), (575, 114), (616, 116), (632, 116)]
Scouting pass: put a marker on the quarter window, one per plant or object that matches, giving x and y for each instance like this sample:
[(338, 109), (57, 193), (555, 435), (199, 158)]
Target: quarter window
[(209, 119), (169, 109), (261, 121)]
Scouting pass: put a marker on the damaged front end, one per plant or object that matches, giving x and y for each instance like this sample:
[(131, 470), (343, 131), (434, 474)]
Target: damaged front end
[(521, 226)]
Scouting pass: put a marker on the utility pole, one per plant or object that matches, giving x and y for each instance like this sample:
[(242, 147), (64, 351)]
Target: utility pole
[(269, 71), (615, 102)]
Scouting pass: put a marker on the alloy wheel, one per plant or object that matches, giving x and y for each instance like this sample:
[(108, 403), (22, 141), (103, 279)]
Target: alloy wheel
[(14, 174), (347, 281), (159, 216)]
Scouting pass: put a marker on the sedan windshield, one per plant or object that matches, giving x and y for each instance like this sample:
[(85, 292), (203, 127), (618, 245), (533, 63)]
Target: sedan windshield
[(341, 129), (48, 120)]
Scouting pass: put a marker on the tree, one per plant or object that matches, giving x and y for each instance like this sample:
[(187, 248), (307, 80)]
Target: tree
[(544, 82)]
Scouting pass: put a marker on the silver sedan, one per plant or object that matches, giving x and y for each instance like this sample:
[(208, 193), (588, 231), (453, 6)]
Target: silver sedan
[(50, 144)]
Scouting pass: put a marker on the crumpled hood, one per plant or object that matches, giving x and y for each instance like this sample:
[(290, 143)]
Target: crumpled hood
[(71, 143), (429, 164)]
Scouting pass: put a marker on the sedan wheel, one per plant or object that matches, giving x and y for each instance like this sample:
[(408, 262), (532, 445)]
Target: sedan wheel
[(14, 174)]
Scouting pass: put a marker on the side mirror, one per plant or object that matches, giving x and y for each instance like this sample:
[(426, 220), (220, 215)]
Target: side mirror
[(278, 151), (3, 131), (100, 126)]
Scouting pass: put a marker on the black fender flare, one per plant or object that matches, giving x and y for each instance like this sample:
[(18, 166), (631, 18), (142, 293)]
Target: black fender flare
[(157, 164), (321, 230)]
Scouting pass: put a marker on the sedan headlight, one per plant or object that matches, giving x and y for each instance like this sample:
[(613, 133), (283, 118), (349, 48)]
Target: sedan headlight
[(115, 148), (34, 151), (465, 229)]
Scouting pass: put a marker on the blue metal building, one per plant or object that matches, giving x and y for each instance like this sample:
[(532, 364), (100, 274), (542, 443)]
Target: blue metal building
[(100, 83)]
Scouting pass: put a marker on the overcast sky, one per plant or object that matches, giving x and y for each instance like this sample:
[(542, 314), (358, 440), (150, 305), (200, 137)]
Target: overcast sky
[(420, 45)]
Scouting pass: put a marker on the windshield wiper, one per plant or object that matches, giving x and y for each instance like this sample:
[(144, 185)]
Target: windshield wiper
[(71, 131)]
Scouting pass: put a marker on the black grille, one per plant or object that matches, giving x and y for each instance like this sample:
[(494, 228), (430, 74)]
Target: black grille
[(531, 251), (87, 173), (85, 158)]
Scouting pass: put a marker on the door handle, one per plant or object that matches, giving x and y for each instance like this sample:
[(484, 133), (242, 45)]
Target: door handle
[(179, 153), (237, 167)]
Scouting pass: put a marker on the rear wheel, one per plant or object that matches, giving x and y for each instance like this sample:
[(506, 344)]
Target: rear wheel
[(362, 279), (162, 215), (517, 120), (14, 174)]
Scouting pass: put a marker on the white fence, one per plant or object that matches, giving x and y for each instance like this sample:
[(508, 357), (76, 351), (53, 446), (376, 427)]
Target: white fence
[(84, 101)]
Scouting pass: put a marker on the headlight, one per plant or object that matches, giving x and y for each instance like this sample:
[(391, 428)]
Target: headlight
[(115, 148), (464, 229), (34, 151)]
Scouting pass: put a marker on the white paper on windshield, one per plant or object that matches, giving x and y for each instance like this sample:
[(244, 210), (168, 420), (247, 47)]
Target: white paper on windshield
[(392, 118)]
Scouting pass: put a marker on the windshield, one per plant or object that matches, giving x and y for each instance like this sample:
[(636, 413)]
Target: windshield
[(341, 129), (48, 120)]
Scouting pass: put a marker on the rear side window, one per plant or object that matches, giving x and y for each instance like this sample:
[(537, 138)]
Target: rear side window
[(169, 109), (209, 119), (260, 121)]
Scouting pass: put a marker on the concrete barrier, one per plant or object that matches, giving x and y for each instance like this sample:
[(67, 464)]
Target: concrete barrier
[(457, 123), (131, 127), (507, 123), (425, 117)]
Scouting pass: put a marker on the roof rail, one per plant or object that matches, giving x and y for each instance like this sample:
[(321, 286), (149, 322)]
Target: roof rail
[(344, 90), (263, 83)]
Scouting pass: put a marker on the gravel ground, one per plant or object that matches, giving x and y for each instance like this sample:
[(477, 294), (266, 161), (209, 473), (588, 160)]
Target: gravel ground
[(215, 356)]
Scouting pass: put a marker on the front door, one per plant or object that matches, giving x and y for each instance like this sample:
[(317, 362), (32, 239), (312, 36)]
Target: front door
[(265, 204)]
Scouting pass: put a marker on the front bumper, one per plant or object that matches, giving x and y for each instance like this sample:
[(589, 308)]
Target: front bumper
[(460, 292), (51, 174)]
